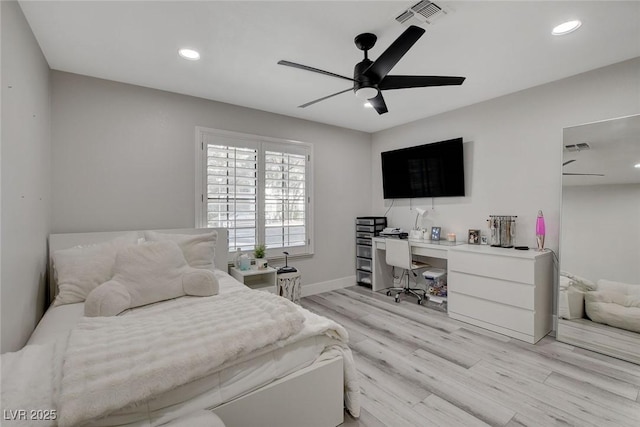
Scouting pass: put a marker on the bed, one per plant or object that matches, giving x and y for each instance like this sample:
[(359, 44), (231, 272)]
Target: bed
[(305, 377)]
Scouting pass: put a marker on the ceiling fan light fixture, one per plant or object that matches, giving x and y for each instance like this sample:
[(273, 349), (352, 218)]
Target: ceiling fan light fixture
[(189, 54), (566, 27), (366, 92)]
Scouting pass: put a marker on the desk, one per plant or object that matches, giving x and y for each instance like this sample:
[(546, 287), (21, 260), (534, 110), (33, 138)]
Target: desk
[(382, 276), (500, 289)]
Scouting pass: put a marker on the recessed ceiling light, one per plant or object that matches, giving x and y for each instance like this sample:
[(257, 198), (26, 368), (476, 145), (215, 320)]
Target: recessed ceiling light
[(189, 54), (566, 28), (637, 165), (368, 105)]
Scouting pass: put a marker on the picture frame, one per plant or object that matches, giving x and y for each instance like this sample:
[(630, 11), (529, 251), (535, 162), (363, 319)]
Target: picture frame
[(484, 240), (474, 237), (435, 233)]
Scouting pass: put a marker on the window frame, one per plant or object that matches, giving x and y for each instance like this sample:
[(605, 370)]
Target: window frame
[(263, 144)]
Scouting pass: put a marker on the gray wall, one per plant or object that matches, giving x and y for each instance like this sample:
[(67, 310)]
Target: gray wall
[(26, 177), (513, 151), (124, 158)]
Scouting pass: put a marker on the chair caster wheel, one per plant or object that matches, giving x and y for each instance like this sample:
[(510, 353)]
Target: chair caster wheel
[(388, 293), (419, 302), (397, 299)]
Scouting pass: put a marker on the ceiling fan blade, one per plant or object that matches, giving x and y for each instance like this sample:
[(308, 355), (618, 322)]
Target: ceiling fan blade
[(404, 82), (568, 161), (315, 70), (378, 104), (582, 174), (390, 57), (324, 97)]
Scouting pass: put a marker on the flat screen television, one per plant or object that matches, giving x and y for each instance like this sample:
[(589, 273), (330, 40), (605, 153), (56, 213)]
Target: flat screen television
[(430, 170)]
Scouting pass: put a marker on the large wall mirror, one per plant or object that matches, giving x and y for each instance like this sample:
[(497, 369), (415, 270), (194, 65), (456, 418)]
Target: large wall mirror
[(599, 286)]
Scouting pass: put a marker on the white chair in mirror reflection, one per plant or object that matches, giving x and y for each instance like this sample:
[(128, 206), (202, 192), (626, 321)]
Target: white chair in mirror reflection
[(398, 255)]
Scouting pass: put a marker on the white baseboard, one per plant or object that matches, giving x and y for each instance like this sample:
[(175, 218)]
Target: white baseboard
[(329, 285)]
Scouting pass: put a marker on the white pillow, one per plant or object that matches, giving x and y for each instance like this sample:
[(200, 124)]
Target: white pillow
[(198, 249), (571, 303), (614, 309), (579, 282), (147, 273), (618, 287), (81, 269)]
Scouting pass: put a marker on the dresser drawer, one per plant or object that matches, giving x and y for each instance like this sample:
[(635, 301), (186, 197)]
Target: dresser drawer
[(502, 291), (489, 265), (504, 316), (363, 264), (363, 251), (430, 252), (371, 221)]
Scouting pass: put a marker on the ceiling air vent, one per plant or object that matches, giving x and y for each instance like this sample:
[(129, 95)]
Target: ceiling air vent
[(424, 12), (577, 147)]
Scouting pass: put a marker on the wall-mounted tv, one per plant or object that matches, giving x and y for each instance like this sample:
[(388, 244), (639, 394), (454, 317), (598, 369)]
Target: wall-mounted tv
[(430, 170)]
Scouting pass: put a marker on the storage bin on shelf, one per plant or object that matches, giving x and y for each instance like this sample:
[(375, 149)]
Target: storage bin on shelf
[(436, 279), (367, 227)]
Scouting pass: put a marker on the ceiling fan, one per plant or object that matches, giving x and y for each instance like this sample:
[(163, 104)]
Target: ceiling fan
[(371, 77), (577, 174)]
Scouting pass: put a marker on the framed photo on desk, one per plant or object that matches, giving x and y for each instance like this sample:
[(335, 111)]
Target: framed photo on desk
[(435, 233), (474, 237)]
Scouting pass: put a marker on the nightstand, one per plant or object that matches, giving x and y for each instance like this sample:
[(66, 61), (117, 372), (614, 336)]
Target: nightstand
[(261, 279)]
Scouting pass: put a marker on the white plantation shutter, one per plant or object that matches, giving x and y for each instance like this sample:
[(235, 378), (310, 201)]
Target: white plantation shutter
[(232, 193), (258, 188), (285, 199)]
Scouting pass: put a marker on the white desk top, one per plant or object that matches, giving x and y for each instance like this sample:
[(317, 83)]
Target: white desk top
[(435, 244), (445, 245)]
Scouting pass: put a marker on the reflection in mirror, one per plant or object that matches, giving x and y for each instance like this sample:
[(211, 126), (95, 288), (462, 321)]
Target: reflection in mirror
[(599, 286)]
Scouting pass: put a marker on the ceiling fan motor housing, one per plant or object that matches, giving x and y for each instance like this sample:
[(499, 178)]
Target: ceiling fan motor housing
[(362, 79)]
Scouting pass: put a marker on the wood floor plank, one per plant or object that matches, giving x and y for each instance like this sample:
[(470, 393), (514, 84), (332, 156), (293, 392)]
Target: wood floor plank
[(623, 371), (544, 357), (406, 392), (406, 352), (579, 408), (422, 315), (388, 408), (511, 397), (361, 326), (596, 395), (444, 414), (432, 379)]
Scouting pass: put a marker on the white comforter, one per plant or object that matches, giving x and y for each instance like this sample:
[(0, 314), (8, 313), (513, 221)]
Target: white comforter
[(108, 363)]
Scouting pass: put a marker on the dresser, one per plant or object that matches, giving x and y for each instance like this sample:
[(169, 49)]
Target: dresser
[(503, 290)]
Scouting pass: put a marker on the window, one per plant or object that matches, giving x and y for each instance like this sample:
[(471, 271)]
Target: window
[(258, 188)]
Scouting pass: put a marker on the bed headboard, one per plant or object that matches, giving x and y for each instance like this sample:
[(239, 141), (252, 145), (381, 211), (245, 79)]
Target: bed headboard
[(69, 240)]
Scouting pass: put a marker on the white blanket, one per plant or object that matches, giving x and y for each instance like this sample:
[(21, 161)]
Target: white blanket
[(25, 387), (113, 362)]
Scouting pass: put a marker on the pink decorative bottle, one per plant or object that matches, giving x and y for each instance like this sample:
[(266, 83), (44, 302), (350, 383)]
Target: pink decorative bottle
[(540, 231)]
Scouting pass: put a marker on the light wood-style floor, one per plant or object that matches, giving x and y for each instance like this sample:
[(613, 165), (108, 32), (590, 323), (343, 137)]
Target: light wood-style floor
[(419, 368)]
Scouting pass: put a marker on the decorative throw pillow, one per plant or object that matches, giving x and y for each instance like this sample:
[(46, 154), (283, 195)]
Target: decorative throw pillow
[(198, 249), (579, 282), (148, 273), (618, 287), (81, 269)]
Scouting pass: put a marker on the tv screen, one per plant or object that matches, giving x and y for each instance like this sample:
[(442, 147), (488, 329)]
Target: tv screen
[(430, 170)]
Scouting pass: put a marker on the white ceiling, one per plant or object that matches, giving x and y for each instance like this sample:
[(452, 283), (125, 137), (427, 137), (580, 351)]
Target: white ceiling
[(614, 150), (501, 47)]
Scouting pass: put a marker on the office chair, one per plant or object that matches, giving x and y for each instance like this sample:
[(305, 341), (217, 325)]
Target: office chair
[(398, 254)]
